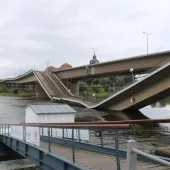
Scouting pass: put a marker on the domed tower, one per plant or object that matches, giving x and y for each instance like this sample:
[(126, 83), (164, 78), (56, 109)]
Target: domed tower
[(94, 60)]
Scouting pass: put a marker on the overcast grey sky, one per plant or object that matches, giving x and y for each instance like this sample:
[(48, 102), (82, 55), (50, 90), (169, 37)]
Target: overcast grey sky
[(34, 31)]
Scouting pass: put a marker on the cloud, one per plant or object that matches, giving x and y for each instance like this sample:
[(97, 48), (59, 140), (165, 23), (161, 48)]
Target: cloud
[(32, 32)]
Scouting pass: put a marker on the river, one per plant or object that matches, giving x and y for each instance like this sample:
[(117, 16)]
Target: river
[(12, 110)]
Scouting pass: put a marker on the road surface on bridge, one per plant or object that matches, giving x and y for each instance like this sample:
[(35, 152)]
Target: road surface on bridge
[(96, 160)]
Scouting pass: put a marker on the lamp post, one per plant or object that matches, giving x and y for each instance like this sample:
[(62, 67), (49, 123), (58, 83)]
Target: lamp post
[(131, 70), (147, 35)]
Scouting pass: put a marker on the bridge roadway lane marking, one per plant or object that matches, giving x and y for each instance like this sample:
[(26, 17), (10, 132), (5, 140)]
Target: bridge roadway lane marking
[(95, 160)]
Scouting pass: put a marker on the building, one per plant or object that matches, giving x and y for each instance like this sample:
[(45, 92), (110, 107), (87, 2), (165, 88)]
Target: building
[(65, 66), (51, 68), (49, 113)]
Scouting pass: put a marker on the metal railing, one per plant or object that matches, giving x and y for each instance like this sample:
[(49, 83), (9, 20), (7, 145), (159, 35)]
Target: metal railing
[(147, 132), (132, 152), (105, 137), (73, 135)]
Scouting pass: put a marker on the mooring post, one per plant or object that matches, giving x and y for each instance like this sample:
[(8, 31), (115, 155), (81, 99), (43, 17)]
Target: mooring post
[(131, 156)]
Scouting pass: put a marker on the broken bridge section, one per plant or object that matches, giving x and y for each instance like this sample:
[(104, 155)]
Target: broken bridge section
[(51, 85)]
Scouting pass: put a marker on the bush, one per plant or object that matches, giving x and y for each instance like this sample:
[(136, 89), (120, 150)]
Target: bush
[(111, 89), (15, 91), (4, 89), (97, 89), (101, 95)]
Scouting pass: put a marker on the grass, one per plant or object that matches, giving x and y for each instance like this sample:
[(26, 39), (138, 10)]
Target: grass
[(20, 94)]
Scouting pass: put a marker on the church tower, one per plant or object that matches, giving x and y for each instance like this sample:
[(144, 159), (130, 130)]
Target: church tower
[(94, 60)]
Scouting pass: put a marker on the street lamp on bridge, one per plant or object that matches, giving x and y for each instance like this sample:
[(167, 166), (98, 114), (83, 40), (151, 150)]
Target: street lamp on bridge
[(147, 35), (131, 70)]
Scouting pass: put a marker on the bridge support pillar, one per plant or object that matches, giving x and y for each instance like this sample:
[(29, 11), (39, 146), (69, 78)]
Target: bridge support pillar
[(74, 88), (40, 93)]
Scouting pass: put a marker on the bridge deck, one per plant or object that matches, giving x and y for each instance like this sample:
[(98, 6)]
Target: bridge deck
[(95, 160)]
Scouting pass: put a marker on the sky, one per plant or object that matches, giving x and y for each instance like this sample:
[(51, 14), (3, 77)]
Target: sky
[(33, 32)]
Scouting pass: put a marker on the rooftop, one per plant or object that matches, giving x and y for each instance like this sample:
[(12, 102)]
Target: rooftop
[(51, 108)]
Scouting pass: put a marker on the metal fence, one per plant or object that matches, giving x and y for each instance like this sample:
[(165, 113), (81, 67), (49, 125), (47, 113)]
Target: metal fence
[(100, 137), (74, 136), (132, 152)]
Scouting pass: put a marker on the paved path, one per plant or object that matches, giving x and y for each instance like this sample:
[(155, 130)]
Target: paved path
[(97, 161)]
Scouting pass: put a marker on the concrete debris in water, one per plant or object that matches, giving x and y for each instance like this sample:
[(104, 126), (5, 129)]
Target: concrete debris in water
[(20, 164)]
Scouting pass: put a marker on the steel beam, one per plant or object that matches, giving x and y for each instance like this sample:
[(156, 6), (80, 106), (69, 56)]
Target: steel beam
[(46, 160)]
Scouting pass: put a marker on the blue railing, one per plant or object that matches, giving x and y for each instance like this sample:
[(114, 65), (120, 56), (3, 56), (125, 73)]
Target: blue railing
[(26, 139)]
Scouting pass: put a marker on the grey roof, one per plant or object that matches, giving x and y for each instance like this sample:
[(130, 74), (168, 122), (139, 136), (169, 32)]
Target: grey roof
[(51, 108)]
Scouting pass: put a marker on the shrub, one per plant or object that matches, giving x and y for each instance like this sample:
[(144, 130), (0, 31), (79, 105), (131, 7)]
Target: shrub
[(4, 89), (101, 95), (15, 91)]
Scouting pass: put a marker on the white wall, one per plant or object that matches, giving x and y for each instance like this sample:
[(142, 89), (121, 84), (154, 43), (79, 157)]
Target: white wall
[(56, 118), (30, 116)]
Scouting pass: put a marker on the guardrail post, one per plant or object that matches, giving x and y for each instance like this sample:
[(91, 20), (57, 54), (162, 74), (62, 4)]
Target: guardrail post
[(24, 133), (4, 129), (49, 142), (117, 153), (63, 132), (42, 131), (51, 132), (131, 156), (101, 137), (8, 130), (73, 147), (79, 138), (134, 131)]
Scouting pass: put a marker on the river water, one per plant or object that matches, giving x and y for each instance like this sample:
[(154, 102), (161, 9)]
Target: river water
[(12, 110)]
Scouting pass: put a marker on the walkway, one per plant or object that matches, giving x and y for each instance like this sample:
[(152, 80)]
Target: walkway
[(97, 161)]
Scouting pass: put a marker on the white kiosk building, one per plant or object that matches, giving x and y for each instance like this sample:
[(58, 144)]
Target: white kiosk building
[(49, 113)]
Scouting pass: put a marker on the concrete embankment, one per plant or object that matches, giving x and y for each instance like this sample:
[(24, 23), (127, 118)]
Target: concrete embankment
[(163, 151)]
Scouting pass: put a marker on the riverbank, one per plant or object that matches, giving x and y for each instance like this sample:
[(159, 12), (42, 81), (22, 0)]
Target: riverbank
[(15, 92), (19, 164), (20, 94)]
